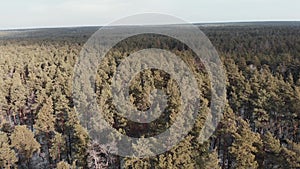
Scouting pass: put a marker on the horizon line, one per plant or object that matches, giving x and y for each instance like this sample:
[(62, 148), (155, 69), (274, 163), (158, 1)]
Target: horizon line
[(194, 23)]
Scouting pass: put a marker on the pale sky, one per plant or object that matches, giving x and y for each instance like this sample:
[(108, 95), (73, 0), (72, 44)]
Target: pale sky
[(59, 13)]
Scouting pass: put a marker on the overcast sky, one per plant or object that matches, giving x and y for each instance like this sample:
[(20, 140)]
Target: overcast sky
[(54, 13)]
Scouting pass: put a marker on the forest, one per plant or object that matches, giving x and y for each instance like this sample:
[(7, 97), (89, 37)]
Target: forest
[(39, 126)]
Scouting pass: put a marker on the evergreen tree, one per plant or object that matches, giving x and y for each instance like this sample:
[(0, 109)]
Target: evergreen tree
[(45, 118), (17, 98), (65, 165), (243, 148), (57, 146), (8, 157), (268, 155), (45, 126), (23, 141), (210, 161), (77, 140)]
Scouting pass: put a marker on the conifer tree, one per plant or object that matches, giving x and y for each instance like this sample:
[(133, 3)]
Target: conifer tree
[(210, 161), (45, 126), (77, 140), (268, 155), (23, 141), (45, 118), (244, 147), (57, 146), (17, 97), (65, 165), (8, 157)]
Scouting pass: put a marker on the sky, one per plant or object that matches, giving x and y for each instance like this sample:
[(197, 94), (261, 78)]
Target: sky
[(63, 13)]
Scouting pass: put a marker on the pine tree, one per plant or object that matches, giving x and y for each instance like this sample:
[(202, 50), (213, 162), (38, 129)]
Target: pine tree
[(81, 141), (45, 126), (57, 146), (77, 140), (23, 141), (210, 161), (268, 155), (181, 156), (65, 165), (243, 148), (17, 98), (290, 155), (8, 157), (225, 136), (3, 100), (45, 118)]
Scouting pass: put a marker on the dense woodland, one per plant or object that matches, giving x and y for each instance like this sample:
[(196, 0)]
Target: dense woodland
[(39, 127)]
